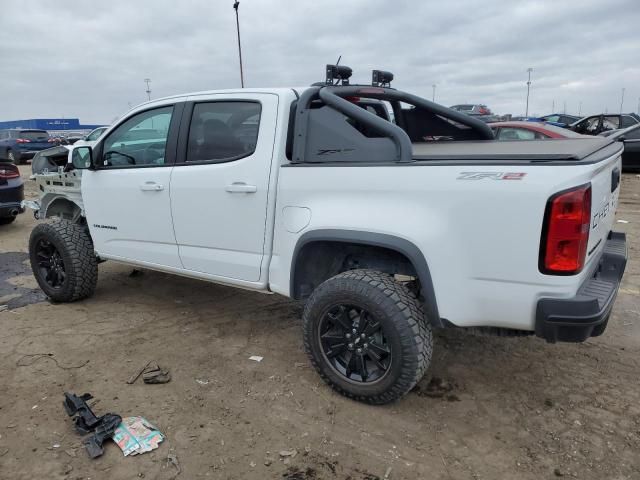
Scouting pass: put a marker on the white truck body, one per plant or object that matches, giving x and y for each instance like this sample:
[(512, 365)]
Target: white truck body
[(466, 220), (480, 237)]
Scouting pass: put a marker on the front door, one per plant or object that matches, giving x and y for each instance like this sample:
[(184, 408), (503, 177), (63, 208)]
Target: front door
[(126, 198), (220, 185)]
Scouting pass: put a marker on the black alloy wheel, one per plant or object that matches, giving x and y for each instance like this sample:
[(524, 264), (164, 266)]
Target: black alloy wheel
[(354, 344)]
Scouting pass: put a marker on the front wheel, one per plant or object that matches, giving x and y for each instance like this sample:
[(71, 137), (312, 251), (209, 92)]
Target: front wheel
[(367, 336), (63, 260)]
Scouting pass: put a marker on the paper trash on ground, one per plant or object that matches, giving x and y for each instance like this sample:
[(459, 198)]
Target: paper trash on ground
[(137, 435), (256, 358)]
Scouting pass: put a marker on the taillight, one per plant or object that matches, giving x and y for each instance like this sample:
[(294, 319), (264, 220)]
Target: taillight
[(565, 232), (8, 171), (22, 140)]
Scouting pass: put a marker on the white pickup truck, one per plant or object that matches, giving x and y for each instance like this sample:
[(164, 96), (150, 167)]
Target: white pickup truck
[(388, 214)]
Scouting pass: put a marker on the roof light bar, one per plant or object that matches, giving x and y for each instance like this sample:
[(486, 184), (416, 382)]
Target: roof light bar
[(381, 78), (338, 72)]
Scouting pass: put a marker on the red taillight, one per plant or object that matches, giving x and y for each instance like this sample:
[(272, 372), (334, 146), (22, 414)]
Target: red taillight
[(22, 140), (8, 171), (565, 232)]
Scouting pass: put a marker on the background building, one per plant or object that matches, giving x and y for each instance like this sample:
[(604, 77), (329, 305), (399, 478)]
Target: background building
[(49, 124)]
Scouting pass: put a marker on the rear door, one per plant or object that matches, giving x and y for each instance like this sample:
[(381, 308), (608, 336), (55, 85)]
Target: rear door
[(219, 186), (631, 155), (126, 198)]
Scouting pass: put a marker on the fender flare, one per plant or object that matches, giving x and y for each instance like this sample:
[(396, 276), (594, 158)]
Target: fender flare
[(398, 244)]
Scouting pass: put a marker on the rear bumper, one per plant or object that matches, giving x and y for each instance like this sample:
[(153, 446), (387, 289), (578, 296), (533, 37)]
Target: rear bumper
[(587, 313), (11, 197)]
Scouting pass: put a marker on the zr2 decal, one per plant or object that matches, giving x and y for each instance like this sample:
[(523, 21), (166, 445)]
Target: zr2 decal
[(491, 175)]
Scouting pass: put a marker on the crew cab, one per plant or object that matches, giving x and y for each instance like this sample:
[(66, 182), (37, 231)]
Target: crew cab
[(387, 225)]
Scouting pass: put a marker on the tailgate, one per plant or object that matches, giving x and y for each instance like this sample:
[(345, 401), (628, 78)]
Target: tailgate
[(605, 188)]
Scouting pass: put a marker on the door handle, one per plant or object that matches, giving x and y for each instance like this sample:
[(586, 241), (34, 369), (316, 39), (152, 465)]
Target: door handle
[(241, 187), (151, 187)]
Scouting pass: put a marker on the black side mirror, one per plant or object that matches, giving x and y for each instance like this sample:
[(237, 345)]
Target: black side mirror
[(82, 158)]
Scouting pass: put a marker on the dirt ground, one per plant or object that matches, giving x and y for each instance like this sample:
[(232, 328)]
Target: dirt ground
[(489, 408)]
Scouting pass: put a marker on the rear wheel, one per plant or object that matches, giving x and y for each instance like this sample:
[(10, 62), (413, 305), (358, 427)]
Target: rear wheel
[(12, 157), (367, 336), (63, 261)]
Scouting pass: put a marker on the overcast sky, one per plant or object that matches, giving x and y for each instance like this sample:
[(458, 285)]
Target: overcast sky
[(89, 59)]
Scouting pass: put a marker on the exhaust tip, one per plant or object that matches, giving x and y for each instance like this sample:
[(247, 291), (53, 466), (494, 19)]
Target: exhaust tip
[(14, 212)]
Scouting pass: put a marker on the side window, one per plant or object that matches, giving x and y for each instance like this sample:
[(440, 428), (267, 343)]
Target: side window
[(628, 121), (3, 135), (591, 125), (223, 131), (509, 133), (611, 123), (140, 140), (552, 118)]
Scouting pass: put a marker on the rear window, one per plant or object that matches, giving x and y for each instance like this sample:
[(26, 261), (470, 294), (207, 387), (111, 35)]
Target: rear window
[(34, 135), (463, 108)]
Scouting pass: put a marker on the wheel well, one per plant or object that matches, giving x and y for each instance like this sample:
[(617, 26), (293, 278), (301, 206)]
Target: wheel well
[(63, 208), (318, 261)]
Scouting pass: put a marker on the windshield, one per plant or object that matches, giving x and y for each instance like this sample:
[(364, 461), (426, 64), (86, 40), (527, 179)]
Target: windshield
[(34, 135)]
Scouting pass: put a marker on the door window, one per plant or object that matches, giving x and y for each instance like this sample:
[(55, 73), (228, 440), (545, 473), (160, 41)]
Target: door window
[(223, 131), (139, 141), (628, 121), (611, 123), (510, 133), (590, 125)]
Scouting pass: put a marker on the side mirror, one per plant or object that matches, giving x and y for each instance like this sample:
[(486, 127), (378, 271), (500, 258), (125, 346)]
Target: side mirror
[(82, 158)]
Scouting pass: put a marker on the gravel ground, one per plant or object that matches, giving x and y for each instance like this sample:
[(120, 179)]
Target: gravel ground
[(489, 408)]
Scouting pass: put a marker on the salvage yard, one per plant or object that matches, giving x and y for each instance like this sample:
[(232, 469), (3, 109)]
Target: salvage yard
[(489, 407)]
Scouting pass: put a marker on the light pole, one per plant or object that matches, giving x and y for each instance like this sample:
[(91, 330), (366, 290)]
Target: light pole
[(622, 100), (529, 70), (148, 81), (579, 108), (433, 97), (553, 106), (235, 7)]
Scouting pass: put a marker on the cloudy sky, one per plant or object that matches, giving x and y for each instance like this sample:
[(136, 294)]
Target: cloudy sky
[(89, 59)]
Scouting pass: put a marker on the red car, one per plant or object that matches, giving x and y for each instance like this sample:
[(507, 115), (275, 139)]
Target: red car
[(530, 131)]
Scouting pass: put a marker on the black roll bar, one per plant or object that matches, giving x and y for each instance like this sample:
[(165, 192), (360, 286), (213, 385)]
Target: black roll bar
[(335, 97)]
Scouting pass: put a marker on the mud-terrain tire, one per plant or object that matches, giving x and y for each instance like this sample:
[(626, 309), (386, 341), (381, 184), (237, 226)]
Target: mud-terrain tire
[(63, 260), (352, 305)]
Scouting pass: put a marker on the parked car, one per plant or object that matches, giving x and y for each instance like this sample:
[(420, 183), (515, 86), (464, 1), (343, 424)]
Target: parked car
[(559, 119), (631, 139), (92, 137), (596, 124), (17, 145), (480, 111), (479, 235), (11, 192), (530, 131)]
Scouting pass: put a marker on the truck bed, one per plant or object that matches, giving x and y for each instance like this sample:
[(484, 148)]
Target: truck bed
[(571, 149)]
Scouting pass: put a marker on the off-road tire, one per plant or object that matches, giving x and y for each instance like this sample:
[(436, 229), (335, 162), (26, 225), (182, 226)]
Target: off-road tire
[(6, 220), (75, 247), (406, 327)]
